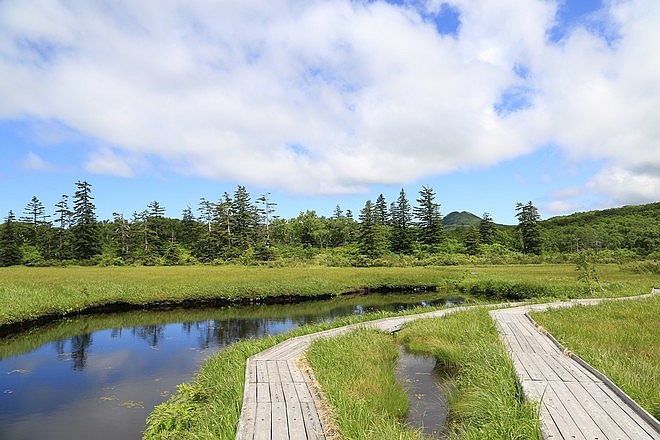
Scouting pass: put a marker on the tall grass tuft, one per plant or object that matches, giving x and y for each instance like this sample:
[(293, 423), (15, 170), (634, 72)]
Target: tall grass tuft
[(357, 374), (487, 402)]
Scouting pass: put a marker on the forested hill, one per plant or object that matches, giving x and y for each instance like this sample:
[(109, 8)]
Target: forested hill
[(631, 227), (460, 219)]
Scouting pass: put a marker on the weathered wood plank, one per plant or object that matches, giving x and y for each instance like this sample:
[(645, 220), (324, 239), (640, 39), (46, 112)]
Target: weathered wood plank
[(296, 374), (578, 413), (262, 371), (273, 371), (276, 392), (279, 424), (532, 369), (561, 416), (542, 364), (600, 416), (294, 415), (313, 427), (262, 426), (549, 428), (629, 423), (263, 392), (284, 371)]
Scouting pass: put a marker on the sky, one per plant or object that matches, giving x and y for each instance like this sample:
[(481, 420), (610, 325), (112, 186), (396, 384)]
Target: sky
[(331, 102)]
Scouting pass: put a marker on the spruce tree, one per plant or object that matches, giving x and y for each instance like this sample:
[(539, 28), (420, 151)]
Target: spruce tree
[(371, 240), (528, 227), (10, 253), (487, 229), (63, 221), (401, 220), (85, 230), (429, 220), (244, 219), (381, 216), (471, 241)]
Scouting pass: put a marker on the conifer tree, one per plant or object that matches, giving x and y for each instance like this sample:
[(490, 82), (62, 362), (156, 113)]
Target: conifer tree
[(63, 221), (244, 218), (381, 216), (371, 239), (487, 229), (85, 230), (401, 220), (429, 220), (471, 241), (10, 253), (528, 227)]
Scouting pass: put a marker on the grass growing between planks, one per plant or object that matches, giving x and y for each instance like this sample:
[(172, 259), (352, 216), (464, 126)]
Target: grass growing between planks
[(357, 374), (487, 401), (29, 292), (619, 338)]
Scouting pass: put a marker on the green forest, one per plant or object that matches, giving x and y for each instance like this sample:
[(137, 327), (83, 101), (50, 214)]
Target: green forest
[(240, 228)]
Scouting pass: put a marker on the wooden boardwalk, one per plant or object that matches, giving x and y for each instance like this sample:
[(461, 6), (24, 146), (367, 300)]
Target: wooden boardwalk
[(577, 401), (280, 401)]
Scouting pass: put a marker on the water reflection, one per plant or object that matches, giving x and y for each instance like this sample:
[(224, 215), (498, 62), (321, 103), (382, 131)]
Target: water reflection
[(101, 376)]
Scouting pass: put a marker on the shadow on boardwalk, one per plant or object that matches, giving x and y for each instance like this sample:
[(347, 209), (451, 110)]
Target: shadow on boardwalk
[(577, 402)]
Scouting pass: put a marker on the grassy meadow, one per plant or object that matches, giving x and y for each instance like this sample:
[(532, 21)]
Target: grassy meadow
[(28, 293), (209, 406), (356, 373), (620, 339)]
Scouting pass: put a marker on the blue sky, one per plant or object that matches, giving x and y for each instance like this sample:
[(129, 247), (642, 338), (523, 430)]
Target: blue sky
[(326, 103)]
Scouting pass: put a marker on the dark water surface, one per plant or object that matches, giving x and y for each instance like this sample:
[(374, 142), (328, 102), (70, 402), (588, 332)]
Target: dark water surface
[(100, 377), (427, 390)]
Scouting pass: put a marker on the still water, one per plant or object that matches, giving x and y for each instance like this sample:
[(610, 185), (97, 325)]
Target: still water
[(100, 377)]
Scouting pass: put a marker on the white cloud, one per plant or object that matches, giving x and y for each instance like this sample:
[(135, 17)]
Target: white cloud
[(368, 92), (35, 163), (627, 187), (106, 161)]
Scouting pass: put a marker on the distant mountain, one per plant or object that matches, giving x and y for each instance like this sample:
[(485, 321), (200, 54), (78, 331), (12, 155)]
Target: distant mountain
[(463, 219)]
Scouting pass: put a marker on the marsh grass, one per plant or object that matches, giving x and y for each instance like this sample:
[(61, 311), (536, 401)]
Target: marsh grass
[(28, 293), (357, 374), (209, 407), (487, 401), (619, 338)]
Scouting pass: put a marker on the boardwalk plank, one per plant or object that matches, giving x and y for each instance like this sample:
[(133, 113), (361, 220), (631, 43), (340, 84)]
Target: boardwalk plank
[(279, 425), (296, 374), (629, 424), (262, 426), (600, 416), (557, 367), (273, 371), (276, 392), (561, 416), (578, 413), (294, 415), (313, 427), (279, 404), (262, 371), (283, 369)]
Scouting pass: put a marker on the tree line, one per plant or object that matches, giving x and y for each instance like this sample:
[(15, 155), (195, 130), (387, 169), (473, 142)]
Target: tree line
[(235, 228)]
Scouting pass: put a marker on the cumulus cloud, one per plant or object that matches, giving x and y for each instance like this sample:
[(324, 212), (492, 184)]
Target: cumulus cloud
[(332, 96), (35, 163)]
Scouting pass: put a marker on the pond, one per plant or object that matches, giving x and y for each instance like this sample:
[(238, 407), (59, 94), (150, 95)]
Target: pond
[(100, 376)]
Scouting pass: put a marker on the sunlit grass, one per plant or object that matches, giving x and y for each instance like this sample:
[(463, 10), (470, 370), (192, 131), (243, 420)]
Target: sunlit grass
[(357, 374), (619, 338), (29, 293), (487, 401), (209, 407)]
